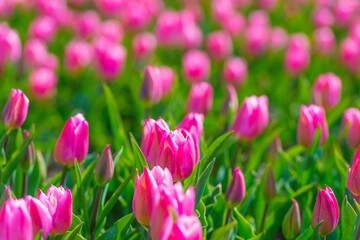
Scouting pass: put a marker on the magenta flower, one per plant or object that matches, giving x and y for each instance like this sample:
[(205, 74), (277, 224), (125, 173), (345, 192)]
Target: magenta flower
[(143, 45), (35, 52), (234, 24), (78, 55), (324, 41), (40, 216), (200, 98), (354, 176), (219, 45), (350, 54), (104, 170), (196, 66), (16, 109), (194, 123), (327, 90), (236, 191), (296, 60), (323, 17), (351, 124), (42, 83), (235, 71), (278, 38), (87, 23), (186, 227), (10, 44), (43, 28), (111, 30)]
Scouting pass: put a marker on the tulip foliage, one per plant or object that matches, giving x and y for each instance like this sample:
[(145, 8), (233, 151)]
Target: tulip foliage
[(182, 119)]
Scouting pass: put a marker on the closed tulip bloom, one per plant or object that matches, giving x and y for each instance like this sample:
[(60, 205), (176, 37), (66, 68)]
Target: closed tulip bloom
[(168, 29), (6, 8), (35, 52), (43, 27), (278, 38), (351, 126), (151, 89), (350, 53), (42, 83), (104, 169), (219, 45), (234, 24), (310, 118), (200, 98), (146, 188), (354, 176), (186, 227), (257, 37), (236, 191), (143, 45), (73, 142), (112, 30), (355, 31), (40, 216), (190, 33), (231, 101), (167, 76), (324, 41), (268, 4), (296, 60), (252, 118), (10, 44), (59, 203), (323, 17), (196, 66), (344, 11), (135, 15), (222, 9), (16, 109), (299, 41), (235, 71), (259, 18), (29, 157), (15, 221), (109, 7), (193, 122), (326, 209), (87, 23), (78, 55), (327, 90), (269, 187), (52, 62), (291, 224)]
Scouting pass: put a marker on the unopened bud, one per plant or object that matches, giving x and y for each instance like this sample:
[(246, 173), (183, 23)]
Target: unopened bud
[(269, 188), (29, 156), (104, 168), (292, 222)]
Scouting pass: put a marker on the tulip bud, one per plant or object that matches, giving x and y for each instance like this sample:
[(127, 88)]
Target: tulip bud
[(43, 28), (323, 17), (15, 110), (310, 118), (78, 55), (187, 227), (351, 124), (73, 141), (278, 38), (326, 209), (268, 4), (235, 71), (111, 30), (296, 60), (109, 7), (146, 187), (29, 156), (299, 41), (219, 45), (327, 90), (252, 118), (87, 23), (151, 89), (40, 216), (231, 101), (196, 66), (256, 39), (15, 221), (104, 168), (143, 45), (59, 203), (134, 20), (352, 180), (200, 98), (35, 52), (193, 122), (42, 83), (234, 24), (167, 76), (236, 191), (291, 224), (350, 54), (5, 195), (269, 188), (259, 18), (324, 41), (10, 44)]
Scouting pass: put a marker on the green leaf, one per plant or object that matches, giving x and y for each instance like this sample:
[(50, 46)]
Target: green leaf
[(338, 111), (119, 229), (316, 142), (54, 181), (194, 176), (112, 201), (223, 233), (306, 234), (75, 222), (244, 228), (72, 234), (201, 212), (302, 190), (315, 235), (200, 185), (348, 218), (140, 161)]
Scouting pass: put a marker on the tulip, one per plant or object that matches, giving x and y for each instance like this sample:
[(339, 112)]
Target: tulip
[(167, 29), (350, 53), (291, 224), (146, 187), (252, 118), (87, 23), (56, 9), (355, 31), (196, 66), (190, 33), (35, 52), (29, 156), (326, 209), (193, 122), (222, 9), (268, 4), (219, 45), (132, 19), (42, 83), (231, 101), (256, 37), (111, 30), (269, 188), (59, 203), (299, 41), (278, 38), (10, 44), (186, 227), (40, 216), (15, 221), (351, 124), (143, 45), (109, 7), (73, 142), (6, 8), (78, 55), (259, 18), (236, 191), (167, 76), (327, 90), (323, 17), (344, 11), (324, 40), (104, 169), (310, 118), (296, 60), (234, 24), (52, 62), (15, 110), (235, 71), (185, 201), (151, 89), (43, 28), (353, 177), (200, 98)]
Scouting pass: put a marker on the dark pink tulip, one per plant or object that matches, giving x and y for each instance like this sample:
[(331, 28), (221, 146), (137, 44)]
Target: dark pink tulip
[(350, 127), (15, 221), (196, 66), (200, 98), (55, 8), (185, 201), (10, 44), (168, 28), (323, 17), (234, 24), (35, 52), (186, 227), (87, 23), (146, 188), (59, 203), (296, 60), (268, 4), (104, 170), (16, 109), (259, 18), (135, 15), (327, 90), (278, 38), (236, 191), (344, 11), (167, 76), (299, 41), (350, 53), (109, 7), (310, 118), (222, 9), (40, 216), (231, 101), (112, 30), (153, 131), (42, 83), (256, 37), (190, 33), (193, 122), (326, 209), (353, 182), (252, 118), (73, 141), (235, 71), (324, 41), (6, 8), (43, 27), (143, 45), (219, 45), (78, 55)]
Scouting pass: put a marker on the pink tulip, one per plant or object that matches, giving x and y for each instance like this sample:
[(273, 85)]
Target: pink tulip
[(323, 17), (52, 62), (196, 66), (200, 98), (296, 60), (185, 201), (186, 227), (143, 45), (350, 53), (219, 45), (55, 8), (326, 209), (268, 4), (10, 44), (259, 18), (112, 30), (73, 142), (236, 191), (146, 188), (350, 127), (194, 123), (87, 23), (327, 90), (109, 7), (355, 31), (104, 170), (231, 101), (59, 203), (43, 28), (252, 118), (324, 41), (353, 177), (344, 11), (153, 131), (310, 118), (167, 76), (15, 221), (6, 8), (235, 71), (35, 52), (16, 109), (299, 41), (234, 24), (278, 38), (256, 37), (78, 55), (40, 216), (42, 83), (190, 33), (135, 15), (222, 9)]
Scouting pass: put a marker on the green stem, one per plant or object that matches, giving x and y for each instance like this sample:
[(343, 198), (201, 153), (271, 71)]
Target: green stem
[(95, 212), (24, 185), (234, 162), (228, 215), (264, 217), (63, 176)]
